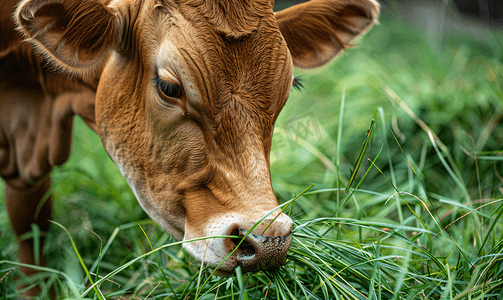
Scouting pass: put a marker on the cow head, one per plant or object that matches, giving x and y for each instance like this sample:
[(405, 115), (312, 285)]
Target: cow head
[(187, 93)]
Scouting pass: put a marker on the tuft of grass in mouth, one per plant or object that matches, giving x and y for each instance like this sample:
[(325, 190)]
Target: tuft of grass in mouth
[(422, 218)]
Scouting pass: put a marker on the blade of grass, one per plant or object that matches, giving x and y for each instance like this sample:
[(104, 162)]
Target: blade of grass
[(440, 219), (201, 268), (360, 157), (390, 162), (159, 263), (330, 268), (359, 183), (401, 276), (471, 211), (98, 294), (242, 293), (71, 284), (36, 242), (126, 265), (291, 201), (436, 142), (99, 256), (491, 229), (112, 238), (338, 148), (217, 287)]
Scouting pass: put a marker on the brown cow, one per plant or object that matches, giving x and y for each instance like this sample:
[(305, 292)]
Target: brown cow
[(184, 95)]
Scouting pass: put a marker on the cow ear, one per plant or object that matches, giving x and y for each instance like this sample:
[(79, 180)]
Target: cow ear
[(316, 31), (75, 36)]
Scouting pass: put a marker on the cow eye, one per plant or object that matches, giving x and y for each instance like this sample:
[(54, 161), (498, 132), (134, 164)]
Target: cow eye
[(168, 89)]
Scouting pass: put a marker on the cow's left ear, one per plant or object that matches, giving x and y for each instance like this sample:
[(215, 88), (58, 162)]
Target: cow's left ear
[(75, 36), (316, 31)]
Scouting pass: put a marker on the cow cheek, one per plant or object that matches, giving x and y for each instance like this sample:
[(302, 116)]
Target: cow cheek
[(177, 158), (166, 201), (175, 142), (122, 121)]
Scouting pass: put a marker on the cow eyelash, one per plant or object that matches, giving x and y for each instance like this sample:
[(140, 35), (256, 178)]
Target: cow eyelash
[(297, 83), (168, 89), (170, 93)]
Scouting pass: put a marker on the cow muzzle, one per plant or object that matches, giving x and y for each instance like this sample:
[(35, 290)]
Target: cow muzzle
[(257, 252), (254, 247), (265, 247)]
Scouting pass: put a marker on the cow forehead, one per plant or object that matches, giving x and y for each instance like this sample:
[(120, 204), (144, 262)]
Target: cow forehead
[(224, 64), (228, 31), (233, 18)]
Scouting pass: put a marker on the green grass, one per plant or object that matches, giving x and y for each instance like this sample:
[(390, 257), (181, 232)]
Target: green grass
[(384, 240)]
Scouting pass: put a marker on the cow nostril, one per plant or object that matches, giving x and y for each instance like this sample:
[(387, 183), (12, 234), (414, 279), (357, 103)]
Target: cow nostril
[(245, 249), (259, 252)]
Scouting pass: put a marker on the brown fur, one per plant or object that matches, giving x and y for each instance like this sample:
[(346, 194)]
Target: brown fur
[(232, 18), (199, 166), (320, 24), (74, 35)]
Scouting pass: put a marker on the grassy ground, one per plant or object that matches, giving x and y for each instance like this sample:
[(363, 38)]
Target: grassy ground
[(385, 240)]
